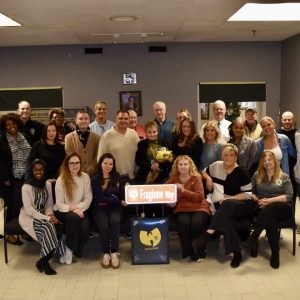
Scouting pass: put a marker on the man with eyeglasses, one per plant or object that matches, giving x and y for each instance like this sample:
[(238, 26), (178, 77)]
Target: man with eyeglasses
[(84, 142)]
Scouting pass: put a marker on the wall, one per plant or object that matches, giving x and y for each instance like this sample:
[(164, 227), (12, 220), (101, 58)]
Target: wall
[(290, 77), (172, 76)]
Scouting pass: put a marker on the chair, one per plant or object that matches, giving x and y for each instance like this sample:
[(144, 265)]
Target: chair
[(11, 227)]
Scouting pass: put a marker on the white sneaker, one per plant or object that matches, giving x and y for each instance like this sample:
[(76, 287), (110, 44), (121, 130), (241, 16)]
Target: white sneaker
[(106, 261), (115, 261), (62, 259), (68, 256)]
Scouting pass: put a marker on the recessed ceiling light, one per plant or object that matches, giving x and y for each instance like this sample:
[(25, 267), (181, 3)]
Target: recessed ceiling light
[(6, 21), (123, 18), (268, 12)]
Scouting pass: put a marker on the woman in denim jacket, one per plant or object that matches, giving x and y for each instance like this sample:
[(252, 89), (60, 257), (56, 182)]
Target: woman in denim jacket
[(277, 143)]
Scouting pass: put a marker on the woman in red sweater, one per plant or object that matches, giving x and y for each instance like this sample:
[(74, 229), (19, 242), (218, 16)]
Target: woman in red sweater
[(191, 211)]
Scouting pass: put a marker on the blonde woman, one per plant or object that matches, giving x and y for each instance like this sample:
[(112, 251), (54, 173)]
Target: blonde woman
[(73, 198), (192, 210), (231, 195), (277, 143), (211, 148), (273, 191)]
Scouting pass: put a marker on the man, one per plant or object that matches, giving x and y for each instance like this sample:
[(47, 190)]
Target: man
[(121, 141), (101, 124), (165, 126), (84, 142), (131, 104), (219, 110), (31, 129), (288, 128), (140, 130), (252, 127)]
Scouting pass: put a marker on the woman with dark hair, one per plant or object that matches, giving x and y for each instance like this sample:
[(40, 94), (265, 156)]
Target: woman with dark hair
[(273, 191), (191, 210), (37, 219), (50, 151), (188, 142), (107, 195), (183, 113), (14, 152), (73, 198), (247, 149)]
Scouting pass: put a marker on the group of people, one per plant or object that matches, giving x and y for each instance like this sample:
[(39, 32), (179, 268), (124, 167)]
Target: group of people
[(58, 177)]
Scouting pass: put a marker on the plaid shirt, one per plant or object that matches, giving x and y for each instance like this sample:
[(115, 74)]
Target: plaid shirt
[(20, 150)]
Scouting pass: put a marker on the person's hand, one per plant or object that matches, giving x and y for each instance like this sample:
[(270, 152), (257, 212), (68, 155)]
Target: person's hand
[(180, 187), (124, 203), (155, 166), (79, 212), (209, 184), (263, 202), (52, 219), (7, 182)]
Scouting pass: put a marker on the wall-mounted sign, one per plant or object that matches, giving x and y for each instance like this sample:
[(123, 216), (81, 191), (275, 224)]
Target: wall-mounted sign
[(129, 78)]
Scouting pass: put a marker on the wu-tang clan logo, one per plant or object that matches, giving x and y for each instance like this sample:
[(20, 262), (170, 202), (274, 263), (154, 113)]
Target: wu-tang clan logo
[(150, 238)]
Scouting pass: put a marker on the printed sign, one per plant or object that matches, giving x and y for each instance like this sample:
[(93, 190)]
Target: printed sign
[(150, 194), (150, 241)]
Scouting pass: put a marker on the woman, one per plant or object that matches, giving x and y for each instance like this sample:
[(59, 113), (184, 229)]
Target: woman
[(107, 195), (188, 142), (273, 192), (57, 116), (183, 113), (50, 151), (14, 152), (192, 210), (73, 198), (247, 148), (231, 196), (211, 149), (150, 169), (277, 143), (37, 219)]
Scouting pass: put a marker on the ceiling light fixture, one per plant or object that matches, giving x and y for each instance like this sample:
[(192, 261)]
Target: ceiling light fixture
[(123, 18), (7, 22), (268, 12), (119, 34)]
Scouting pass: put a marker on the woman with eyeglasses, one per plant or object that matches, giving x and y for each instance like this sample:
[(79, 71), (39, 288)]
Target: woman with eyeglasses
[(73, 198)]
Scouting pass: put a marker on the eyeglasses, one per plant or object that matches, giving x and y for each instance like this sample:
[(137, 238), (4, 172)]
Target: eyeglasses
[(74, 163)]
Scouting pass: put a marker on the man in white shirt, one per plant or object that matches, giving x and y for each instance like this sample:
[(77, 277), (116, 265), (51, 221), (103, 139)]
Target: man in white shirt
[(101, 124)]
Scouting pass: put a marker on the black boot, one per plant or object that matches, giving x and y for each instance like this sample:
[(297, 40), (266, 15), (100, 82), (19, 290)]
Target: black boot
[(274, 261), (43, 264), (236, 260)]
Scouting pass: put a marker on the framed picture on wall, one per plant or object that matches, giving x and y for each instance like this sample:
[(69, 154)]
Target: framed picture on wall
[(131, 100), (204, 107)]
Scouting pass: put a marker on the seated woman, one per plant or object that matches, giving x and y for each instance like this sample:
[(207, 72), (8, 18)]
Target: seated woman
[(248, 153), (231, 195), (211, 148), (188, 142), (37, 219), (273, 191), (73, 198), (191, 210), (107, 195)]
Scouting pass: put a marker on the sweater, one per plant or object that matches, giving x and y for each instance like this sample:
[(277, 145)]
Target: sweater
[(82, 194), (192, 198)]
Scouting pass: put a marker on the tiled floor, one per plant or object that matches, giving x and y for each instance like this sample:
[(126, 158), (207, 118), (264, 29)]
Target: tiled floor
[(211, 279)]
